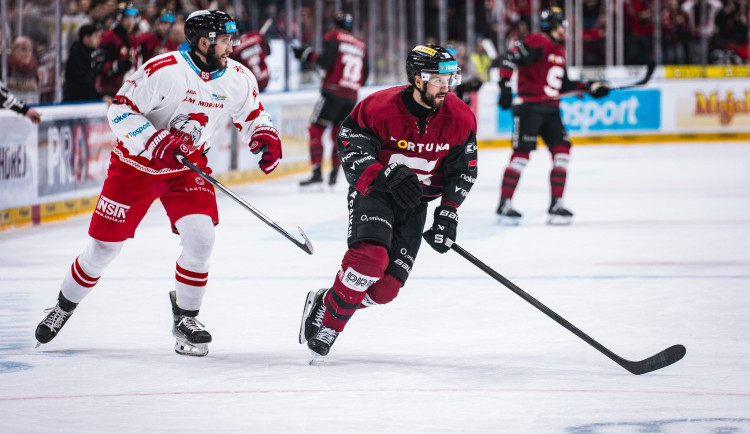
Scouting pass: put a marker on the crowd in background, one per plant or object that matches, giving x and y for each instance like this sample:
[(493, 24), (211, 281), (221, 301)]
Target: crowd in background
[(87, 27)]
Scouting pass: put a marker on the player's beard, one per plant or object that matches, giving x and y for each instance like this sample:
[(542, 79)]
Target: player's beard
[(432, 100), (217, 60)]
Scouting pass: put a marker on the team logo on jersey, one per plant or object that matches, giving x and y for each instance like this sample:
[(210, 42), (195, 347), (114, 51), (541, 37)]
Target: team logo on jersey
[(344, 132), (188, 128)]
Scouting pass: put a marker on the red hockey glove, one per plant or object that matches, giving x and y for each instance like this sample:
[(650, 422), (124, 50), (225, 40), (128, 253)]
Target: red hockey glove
[(402, 183), (598, 89), (163, 145), (444, 226), (266, 140)]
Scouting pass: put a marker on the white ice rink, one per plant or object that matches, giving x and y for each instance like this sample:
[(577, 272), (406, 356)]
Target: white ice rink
[(658, 254)]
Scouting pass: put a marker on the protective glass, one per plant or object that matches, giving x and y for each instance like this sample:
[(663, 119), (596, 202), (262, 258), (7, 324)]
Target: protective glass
[(442, 80)]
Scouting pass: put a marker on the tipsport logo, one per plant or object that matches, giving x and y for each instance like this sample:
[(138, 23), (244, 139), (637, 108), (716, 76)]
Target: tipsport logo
[(137, 131)]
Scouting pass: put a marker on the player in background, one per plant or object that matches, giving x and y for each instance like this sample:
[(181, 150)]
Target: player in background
[(171, 105), (400, 148), (10, 101), (542, 76), (344, 59), (251, 52), (120, 48), (157, 41)]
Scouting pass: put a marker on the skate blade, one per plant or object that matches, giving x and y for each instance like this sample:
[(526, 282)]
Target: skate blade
[(312, 188), (508, 221), (315, 359), (558, 220), (188, 349), (305, 312), (38, 344)]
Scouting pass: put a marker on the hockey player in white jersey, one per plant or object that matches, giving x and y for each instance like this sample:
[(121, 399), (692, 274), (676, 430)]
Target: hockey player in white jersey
[(172, 104)]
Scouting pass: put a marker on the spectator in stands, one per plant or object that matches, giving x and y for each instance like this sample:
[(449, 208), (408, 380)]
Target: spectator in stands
[(640, 15), (157, 41), (84, 63), (701, 25), (22, 76), (675, 33), (120, 49)]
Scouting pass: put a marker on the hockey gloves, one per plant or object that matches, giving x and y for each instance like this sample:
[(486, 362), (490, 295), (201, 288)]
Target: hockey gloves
[(265, 139), (121, 66), (402, 183), (443, 228), (597, 89), (506, 96), (163, 146), (303, 52)]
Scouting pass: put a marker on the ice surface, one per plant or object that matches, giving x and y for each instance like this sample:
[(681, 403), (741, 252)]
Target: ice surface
[(658, 254)]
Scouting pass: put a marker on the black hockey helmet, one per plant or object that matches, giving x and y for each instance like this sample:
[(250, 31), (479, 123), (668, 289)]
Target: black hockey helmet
[(209, 24), (432, 59), (343, 20), (551, 18)]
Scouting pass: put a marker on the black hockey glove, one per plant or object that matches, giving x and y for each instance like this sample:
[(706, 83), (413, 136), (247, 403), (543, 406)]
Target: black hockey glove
[(443, 231), (402, 183), (303, 52), (121, 66), (597, 89), (506, 95)]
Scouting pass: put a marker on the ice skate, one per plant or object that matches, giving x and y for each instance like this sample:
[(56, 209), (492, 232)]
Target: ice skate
[(334, 175), (508, 216), (312, 315), (54, 321), (314, 182), (558, 214), (322, 341), (192, 339)]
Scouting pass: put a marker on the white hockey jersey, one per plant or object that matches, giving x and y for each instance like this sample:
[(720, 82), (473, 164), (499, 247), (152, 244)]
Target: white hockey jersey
[(170, 92)]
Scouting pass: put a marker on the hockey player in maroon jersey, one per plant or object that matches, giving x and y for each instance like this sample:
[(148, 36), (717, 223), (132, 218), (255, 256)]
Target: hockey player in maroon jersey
[(120, 46), (251, 52), (344, 59), (174, 104), (400, 148), (542, 76), (157, 40)]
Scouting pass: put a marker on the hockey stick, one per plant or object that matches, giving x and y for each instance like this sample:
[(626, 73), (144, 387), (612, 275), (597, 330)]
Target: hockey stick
[(650, 67), (657, 361), (306, 245)]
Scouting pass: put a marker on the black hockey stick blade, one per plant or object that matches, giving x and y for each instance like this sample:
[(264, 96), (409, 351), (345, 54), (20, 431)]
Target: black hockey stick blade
[(305, 245), (649, 72), (657, 361)]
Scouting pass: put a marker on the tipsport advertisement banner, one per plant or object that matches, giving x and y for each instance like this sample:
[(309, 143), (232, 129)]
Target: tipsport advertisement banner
[(621, 111)]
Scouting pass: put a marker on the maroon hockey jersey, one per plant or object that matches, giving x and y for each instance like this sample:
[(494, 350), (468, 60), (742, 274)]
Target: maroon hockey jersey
[(344, 58), (252, 52), (440, 148), (541, 69)]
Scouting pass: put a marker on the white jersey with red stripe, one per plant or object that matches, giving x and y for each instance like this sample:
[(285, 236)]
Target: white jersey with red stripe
[(170, 92)]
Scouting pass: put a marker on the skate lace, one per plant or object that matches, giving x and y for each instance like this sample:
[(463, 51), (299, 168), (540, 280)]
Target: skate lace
[(319, 314), (55, 318), (190, 323), (327, 335)]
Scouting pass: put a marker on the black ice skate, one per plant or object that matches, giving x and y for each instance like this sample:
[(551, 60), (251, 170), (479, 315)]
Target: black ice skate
[(321, 343), (334, 175), (508, 216), (192, 339), (314, 181), (312, 314), (55, 320), (558, 214)]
